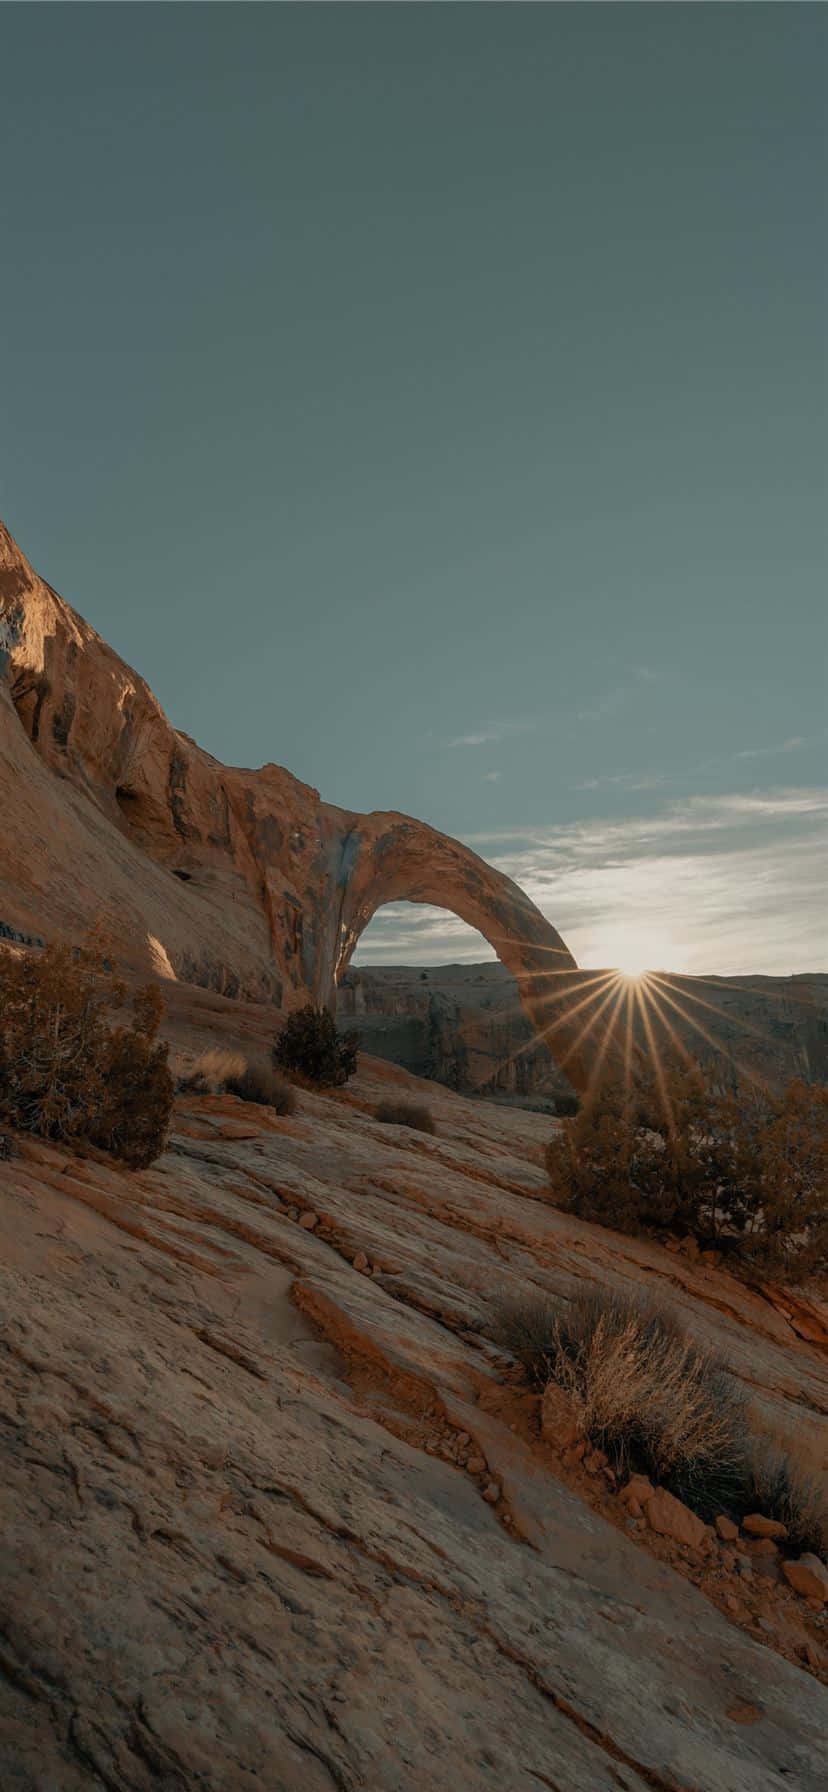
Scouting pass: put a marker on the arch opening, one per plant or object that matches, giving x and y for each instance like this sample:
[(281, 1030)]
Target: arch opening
[(426, 990)]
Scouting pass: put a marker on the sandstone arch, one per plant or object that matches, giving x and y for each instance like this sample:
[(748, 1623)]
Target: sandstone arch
[(241, 881), (392, 858)]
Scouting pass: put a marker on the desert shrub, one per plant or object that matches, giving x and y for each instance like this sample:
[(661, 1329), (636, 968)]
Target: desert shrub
[(525, 1325), (644, 1392), (310, 1046), (68, 1069), (223, 1072), (405, 1113), (746, 1172), (780, 1488), (257, 1082), (660, 1404), (211, 1072)]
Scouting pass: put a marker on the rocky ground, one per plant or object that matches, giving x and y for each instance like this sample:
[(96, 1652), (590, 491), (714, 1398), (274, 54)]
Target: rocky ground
[(277, 1513)]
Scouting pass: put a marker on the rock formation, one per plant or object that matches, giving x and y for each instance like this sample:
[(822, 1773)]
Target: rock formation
[(463, 1024), (275, 1511), (243, 881)]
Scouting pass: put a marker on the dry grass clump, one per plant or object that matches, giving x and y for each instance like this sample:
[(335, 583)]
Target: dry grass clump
[(211, 1072), (662, 1405), (644, 1392), (405, 1113), (796, 1496), (653, 1398), (222, 1072), (257, 1082), (69, 1070), (525, 1326)]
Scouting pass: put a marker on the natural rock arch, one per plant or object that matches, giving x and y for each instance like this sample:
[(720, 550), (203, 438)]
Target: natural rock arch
[(393, 858), (243, 881)]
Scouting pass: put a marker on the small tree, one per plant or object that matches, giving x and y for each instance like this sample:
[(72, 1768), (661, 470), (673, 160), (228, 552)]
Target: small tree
[(67, 1072), (310, 1045), (745, 1171)]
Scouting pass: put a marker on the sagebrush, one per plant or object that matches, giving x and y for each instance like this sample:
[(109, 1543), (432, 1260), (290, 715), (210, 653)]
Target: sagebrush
[(259, 1083), (405, 1113), (310, 1046), (746, 1173), (70, 1068)]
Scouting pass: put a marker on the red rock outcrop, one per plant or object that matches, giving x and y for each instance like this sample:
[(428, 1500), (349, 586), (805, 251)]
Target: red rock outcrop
[(241, 881)]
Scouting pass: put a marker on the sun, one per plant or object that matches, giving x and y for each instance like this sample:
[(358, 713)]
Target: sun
[(631, 970)]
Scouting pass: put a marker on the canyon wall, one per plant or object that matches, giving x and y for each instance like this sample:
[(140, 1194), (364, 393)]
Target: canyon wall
[(463, 1025)]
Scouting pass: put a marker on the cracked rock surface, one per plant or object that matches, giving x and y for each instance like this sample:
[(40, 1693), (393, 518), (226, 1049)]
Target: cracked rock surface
[(270, 1516)]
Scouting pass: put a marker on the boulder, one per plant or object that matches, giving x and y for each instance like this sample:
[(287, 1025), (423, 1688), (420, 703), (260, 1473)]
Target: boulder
[(637, 1491), (727, 1530), (670, 1518), (757, 1525), (808, 1576)]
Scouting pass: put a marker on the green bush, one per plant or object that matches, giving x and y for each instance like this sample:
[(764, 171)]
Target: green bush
[(405, 1113), (68, 1070), (744, 1172), (310, 1046)]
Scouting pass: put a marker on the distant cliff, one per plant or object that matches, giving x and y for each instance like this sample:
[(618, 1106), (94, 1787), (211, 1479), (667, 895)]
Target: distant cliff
[(463, 1025)]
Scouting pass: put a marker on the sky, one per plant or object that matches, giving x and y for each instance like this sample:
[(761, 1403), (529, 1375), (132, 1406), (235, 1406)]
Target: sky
[(432, 399)]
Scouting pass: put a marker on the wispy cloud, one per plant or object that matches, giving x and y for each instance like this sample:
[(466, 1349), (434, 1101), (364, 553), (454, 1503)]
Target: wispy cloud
[(622, 780), (616, 699), (491, 777), (489, 732), (788, 746), (732, 883)]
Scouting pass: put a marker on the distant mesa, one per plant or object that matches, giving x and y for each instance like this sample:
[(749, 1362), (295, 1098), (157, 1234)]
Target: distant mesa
[(243, 882), (462, 1025)]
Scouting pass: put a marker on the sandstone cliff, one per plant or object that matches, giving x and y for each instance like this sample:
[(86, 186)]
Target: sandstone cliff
[(241, 881)]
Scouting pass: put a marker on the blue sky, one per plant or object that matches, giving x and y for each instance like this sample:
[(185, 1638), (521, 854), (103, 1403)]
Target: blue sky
[(432, 400)]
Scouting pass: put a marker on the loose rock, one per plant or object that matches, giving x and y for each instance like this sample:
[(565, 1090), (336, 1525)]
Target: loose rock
[(670, 1518), (756, 1525), (728, 1531), (808, 1576)]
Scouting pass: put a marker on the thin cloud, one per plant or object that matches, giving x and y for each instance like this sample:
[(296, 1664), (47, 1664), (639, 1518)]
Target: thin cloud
[(788, 746), (622, 780), (490, 732), (725, 884), (617, 698), (491, 777)]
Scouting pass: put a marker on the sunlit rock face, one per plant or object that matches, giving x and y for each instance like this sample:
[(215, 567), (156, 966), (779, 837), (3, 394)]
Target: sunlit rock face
[(241, 881)]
